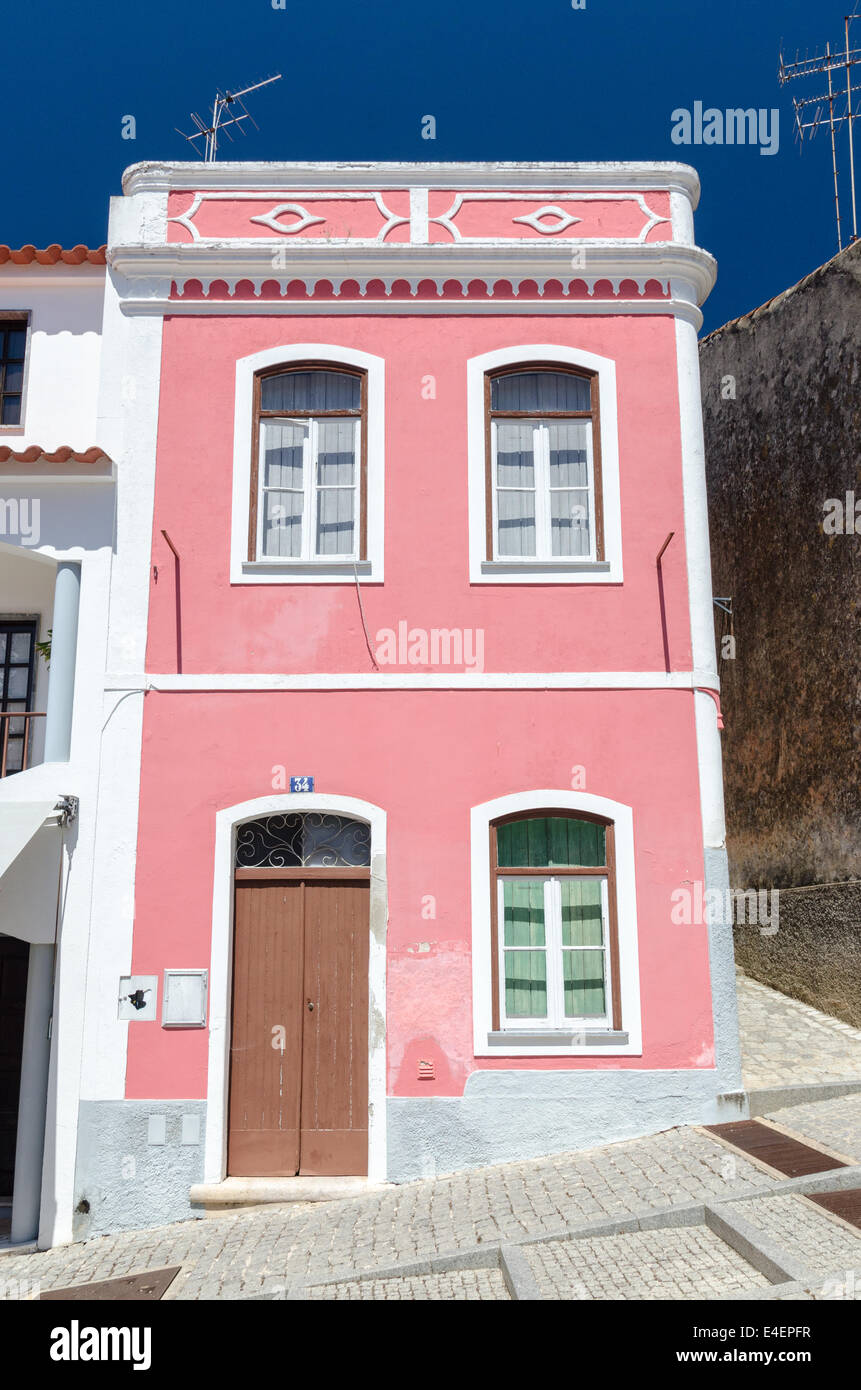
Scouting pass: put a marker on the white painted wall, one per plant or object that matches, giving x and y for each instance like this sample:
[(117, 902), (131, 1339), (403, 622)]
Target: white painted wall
[(64, 348), (76, 523)]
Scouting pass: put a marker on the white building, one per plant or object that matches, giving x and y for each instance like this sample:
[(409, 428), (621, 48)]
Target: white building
[(57, 495)]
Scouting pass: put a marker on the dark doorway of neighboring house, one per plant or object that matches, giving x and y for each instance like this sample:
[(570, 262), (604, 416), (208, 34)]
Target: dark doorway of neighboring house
[(14, 956)]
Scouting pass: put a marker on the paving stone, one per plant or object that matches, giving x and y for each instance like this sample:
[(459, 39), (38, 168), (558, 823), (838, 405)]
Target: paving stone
[(461, 1284), (806, 1232), (787, 1043), (834, 1123), (683, 1262)]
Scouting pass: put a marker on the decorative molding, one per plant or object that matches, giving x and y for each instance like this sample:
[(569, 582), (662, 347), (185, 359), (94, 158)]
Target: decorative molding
[(534, 219), (306, 218), (403, 680), (639, 176), (686, 273), (419, 219), (270, 219), (680, 309)]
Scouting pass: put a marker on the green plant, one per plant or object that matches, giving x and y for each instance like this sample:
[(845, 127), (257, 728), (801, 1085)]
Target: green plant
[(44, 648)]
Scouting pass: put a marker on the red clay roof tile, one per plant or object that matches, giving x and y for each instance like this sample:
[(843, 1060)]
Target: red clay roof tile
[(50, 255), (65, 454)]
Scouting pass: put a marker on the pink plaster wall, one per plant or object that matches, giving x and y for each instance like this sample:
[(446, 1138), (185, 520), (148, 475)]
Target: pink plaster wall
[(300, 628), (425, 758)]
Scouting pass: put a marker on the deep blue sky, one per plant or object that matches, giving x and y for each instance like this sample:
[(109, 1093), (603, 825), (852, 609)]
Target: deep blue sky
[(532, 80)]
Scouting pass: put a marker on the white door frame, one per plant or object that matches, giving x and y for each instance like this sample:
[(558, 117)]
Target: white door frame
[(221, 968)]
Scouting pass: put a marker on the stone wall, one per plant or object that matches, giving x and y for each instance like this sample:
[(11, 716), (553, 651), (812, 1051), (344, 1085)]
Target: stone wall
[(782, 410), (815, 955)]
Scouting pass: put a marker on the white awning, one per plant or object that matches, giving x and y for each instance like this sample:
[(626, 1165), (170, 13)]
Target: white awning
[(19, 821)]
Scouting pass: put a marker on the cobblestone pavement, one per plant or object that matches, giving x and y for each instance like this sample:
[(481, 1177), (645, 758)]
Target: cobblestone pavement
[(834, 1123), (802, 1229), (243, 1253), (682, 1262), (458, 1285), (786, 1043), (264, 1251)]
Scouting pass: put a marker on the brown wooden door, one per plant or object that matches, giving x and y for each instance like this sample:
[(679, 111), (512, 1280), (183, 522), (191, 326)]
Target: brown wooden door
[(14, 959), (299, 1044)]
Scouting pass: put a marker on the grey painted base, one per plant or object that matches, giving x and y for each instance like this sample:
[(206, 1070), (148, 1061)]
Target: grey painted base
[(127, 1181), (504, 1116), (722, 970)]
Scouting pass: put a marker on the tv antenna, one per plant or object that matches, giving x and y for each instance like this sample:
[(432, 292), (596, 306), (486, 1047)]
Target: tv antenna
[(222, 118), (831, 61)]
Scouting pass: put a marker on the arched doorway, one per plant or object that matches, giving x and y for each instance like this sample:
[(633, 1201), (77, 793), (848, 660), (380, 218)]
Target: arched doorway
[(298, 1096)]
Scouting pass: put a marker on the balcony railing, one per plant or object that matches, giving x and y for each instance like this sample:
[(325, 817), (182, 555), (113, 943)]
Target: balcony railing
[(18, 739)]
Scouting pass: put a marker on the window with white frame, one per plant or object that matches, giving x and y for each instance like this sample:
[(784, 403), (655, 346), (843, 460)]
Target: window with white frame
[(555, 937), (543, 465), (308, 476)]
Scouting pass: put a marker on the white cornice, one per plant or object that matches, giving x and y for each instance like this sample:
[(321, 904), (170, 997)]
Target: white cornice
[(149, 271), (345, 308), (639, 175)]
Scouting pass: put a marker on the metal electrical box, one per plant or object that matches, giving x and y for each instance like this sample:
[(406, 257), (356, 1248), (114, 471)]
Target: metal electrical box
[(184, 1003)]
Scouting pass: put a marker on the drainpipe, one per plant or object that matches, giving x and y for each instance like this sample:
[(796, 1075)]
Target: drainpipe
[(30, 1143), (64, 642)]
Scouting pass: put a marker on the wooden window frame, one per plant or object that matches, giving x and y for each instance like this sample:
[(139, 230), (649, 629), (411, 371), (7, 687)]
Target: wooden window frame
[(257, 414), (593, 415), (606, 870)]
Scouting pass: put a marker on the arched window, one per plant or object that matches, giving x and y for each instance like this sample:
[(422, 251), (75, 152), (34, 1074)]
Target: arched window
[(303, 840), (309, 464), (553, 923), (544, 500)]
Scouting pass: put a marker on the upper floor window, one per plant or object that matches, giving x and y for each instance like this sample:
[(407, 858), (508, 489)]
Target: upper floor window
[(309, 464), (544, 498), (13, 349)]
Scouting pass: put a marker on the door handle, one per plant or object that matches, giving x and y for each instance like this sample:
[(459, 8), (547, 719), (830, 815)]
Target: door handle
[(310, 1006)]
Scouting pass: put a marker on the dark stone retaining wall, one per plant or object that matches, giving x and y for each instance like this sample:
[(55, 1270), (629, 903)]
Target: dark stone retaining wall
[(787, 442), (815, 955), (791, 697)]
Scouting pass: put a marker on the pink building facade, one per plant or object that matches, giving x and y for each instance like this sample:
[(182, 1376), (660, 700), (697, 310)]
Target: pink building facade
[(411, 740)]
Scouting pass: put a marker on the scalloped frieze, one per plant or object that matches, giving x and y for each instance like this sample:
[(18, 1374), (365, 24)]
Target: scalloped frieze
[(217, 288)]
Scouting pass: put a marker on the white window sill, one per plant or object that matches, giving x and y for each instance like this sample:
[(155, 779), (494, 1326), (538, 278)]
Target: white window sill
[(330, 571), (554, 1038), (548, 571)]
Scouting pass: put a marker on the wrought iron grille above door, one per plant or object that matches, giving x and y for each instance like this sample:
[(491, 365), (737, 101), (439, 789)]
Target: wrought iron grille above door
[(309, 839)]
